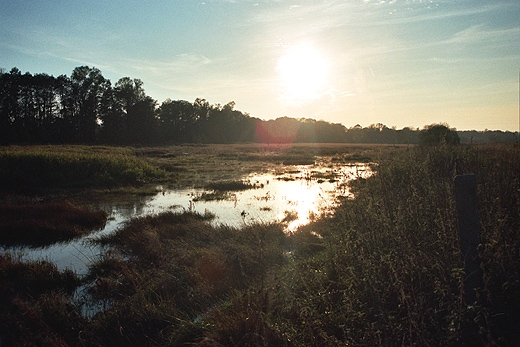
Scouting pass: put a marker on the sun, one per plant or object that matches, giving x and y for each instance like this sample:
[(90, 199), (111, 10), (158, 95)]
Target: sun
[(303, 72)]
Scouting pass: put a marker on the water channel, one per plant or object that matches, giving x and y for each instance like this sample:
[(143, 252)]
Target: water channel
[(294, 197)]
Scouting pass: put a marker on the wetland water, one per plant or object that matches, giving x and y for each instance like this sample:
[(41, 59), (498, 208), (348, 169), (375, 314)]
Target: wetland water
[(294, 196)]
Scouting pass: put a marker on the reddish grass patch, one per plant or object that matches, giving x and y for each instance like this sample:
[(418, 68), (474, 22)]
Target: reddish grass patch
[(46, 223)]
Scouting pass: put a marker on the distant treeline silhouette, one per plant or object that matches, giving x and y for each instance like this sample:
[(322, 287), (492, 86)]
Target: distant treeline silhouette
[(86, 108)]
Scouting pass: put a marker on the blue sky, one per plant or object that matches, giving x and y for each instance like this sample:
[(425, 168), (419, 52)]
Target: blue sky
[(400, 63)]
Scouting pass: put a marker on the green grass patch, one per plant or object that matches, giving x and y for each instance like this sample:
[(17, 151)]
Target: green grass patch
[(51, 167)]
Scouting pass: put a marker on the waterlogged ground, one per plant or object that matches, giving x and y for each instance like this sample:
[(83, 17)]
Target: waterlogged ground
[(292, 194)]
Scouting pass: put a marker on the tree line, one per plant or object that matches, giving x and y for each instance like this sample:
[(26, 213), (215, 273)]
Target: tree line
[(87, 108)]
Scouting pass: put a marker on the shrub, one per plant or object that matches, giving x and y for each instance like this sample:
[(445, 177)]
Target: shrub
[(437, 134)]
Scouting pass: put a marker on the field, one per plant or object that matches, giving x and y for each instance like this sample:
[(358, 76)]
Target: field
[(386, 269)]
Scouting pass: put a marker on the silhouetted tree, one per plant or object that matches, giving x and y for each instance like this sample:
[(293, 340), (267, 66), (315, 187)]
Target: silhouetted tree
[(354, 134), (202, 109), (225, 125), (141, 122), (407, 135), (10, 108), (86, 108), (113, 117), (177, 121), (138, 111), (81, 104), (436, 134)]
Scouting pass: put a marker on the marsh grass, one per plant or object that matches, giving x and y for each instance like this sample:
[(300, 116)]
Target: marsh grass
[(231, 186), (384, 270), (223, 190), (36, 304), (388, 269), (42, 224), (218, 195), (165, 271), (51, 167), (198, 164)]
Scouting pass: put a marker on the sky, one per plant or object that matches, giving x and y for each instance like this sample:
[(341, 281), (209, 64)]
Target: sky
[(402, 63)]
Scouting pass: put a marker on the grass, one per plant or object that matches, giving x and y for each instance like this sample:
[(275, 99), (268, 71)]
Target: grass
[(390, 269), (42, 224), (198, 165), (179, 268), (385, 269), (222, 190), (65, 167), (36, 305), (31, 169), (214, 196), (230, 186)]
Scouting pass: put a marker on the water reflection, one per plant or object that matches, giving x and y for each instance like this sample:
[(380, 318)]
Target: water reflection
[(295, 197)]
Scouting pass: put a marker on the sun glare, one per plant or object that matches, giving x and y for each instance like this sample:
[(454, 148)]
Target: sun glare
[(303, 72), (303, 201)]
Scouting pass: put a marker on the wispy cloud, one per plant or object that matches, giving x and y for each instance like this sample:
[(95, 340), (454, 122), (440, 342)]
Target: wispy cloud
[(481, 33), (179, 64), (370, 13), (473, 60)]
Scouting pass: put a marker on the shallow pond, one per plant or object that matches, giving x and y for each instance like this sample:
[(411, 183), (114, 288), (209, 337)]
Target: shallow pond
[(295, 197)]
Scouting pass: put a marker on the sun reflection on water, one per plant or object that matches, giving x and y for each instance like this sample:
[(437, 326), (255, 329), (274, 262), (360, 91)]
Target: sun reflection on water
[(294, 197), (304, 203)]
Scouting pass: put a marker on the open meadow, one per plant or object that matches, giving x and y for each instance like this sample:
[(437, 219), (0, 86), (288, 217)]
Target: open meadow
[(385, 268)]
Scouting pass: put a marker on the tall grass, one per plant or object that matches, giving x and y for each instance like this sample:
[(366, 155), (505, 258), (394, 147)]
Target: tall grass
[(36, 305), (44, 167), (178, 267), (391, 270), (384, 270)]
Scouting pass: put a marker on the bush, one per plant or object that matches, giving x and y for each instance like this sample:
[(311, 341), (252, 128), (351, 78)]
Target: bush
[(437, 134)]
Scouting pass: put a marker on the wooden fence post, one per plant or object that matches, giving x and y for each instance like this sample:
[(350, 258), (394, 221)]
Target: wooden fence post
[(469, 232)]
